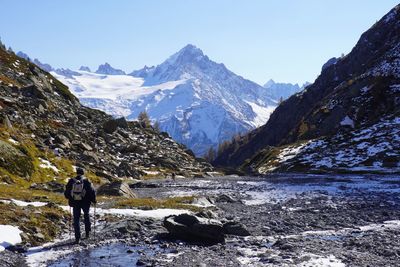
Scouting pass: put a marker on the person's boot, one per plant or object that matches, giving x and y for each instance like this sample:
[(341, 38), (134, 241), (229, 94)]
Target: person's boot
[(77, 241)]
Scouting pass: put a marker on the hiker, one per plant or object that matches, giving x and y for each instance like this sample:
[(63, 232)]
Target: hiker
[(80, 194)]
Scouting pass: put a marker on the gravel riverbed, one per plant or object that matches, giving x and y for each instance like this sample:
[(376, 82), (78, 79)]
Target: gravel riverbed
[(293, 220)]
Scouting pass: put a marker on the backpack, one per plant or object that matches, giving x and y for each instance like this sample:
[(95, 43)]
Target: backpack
[(78, 191)]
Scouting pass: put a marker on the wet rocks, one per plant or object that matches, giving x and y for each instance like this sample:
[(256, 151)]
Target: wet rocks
[(116, 189), (192, 228)]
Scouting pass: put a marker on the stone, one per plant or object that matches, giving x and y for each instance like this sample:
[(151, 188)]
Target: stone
[(235, 228), (192, 228), (124, 227), (14, 161), (111, 126), (7, 123), (116, 189), (63, 141), (225, 199)]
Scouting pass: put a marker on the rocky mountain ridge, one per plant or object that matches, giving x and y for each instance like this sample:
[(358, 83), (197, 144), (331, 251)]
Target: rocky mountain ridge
[(355, 93)]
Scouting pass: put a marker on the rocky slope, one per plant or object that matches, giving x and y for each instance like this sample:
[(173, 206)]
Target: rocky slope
[(355, 98), (200, 103), (45, 127)]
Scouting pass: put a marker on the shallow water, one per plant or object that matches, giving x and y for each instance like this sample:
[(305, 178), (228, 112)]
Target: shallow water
[(117, 254)]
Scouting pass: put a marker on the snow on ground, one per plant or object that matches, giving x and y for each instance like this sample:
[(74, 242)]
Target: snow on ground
[(47, 165), (155, 214), (250, 257), (358, 150), (347, 121), (10, 235), (262, 113), (23, 203), (15, 142), (322, 261), (151, 172)]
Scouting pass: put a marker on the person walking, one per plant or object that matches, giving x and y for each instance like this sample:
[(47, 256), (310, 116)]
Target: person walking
[(80, 194)]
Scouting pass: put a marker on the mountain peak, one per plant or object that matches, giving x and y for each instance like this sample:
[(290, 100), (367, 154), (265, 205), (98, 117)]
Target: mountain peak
[(84, 68), (108, 70), (189, 53), (269, 83)]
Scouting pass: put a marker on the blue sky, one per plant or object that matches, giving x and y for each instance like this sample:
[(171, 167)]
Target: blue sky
[(286, 40)]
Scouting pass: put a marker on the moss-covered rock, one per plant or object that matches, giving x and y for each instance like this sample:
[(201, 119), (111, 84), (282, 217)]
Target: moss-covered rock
[(14, 161)]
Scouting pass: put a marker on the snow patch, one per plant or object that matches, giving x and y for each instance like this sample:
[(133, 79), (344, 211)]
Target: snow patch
[(155, 214), (323, 261), (347, 121), (47, 165), (10, 235), (24, 203)]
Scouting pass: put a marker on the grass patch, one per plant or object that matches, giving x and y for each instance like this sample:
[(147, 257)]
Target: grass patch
[(152, 203), (39, 224), (18, 192)]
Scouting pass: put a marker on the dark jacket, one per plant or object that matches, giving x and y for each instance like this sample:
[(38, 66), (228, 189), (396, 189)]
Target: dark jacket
[(89, 197)]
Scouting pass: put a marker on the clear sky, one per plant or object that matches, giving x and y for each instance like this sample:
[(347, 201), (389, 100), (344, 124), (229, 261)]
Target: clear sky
[(287, 40)]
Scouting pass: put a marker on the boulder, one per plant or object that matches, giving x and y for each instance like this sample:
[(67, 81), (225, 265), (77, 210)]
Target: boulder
[(116, 189), (193, 228), (63, 141), (235, 228), (225, 199), (126, 169), (111, 126), (14, 161), (207, 214)]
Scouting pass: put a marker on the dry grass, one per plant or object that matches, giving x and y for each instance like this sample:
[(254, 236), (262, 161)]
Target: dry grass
[(16, 191)]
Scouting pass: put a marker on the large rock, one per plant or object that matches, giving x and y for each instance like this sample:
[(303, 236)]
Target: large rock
[(116, 189), (14, 161), (192, 228), (111, 126), (235, 228)]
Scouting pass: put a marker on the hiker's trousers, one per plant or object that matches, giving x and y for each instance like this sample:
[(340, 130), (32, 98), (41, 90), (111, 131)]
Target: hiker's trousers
[(86, 218)]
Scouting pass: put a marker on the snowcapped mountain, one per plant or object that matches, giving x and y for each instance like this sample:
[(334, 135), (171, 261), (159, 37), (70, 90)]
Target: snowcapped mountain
[(283, 90), (200, 103), (107, 69)]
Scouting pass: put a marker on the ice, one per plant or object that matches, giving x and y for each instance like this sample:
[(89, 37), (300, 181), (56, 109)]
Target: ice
[(10, 235)]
